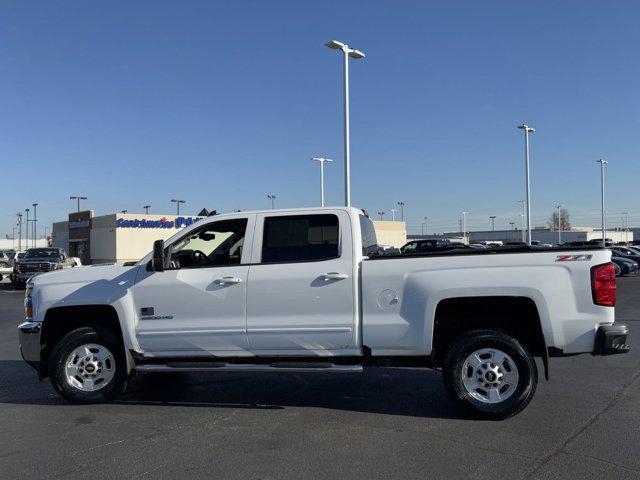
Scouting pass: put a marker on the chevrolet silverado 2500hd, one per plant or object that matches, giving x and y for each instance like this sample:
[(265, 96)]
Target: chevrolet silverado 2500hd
[(303, 290)]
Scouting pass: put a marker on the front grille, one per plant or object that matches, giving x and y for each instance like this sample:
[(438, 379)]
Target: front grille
[(34, 267)]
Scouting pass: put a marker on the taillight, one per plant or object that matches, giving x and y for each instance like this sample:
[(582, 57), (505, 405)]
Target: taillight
[(603, 284)]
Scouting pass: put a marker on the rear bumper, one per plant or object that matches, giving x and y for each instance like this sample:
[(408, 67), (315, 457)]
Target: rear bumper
[(611, 339), (30, 346)]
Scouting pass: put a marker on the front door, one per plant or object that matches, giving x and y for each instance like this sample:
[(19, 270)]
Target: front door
[(301, 292), (199, 304)]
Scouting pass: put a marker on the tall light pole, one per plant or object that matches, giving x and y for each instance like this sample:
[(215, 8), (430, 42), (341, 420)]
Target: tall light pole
[(522, 216), (27, 235), (35, 222), (426, 229), (146, 209), (356, 54), (273, 200), (321, 161), (493, 226), (527, 130), (602, 163), (401, 205), (381, 213), (393, 214), (19, 215), (46, 240), (78, 200), (177, 201), (558, 207), (464, 224), (626, 226)]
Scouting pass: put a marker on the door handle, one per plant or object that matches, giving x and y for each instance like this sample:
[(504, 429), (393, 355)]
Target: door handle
[(335, 276), (229, 280)]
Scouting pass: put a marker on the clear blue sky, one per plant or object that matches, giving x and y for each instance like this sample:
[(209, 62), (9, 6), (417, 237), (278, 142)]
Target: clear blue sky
[(220, 103)]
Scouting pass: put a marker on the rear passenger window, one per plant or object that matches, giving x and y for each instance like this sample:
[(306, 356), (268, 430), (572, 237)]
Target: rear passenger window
[(300, 238)]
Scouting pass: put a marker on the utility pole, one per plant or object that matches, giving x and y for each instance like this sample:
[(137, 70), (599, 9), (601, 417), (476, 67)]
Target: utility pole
[(356, 54), (177, 201), (602, 163), (272, 197), (527, 131)]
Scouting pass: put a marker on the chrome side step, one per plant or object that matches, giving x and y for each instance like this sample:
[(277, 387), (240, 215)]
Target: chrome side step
[(235, 367)]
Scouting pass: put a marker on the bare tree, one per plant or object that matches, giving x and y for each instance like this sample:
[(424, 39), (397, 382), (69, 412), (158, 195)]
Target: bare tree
[(565, 224)]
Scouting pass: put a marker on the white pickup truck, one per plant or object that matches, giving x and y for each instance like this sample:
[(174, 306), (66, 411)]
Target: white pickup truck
[(304, 290)]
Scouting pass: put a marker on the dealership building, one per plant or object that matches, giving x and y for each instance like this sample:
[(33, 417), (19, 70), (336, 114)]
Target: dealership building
[(117, 237), (122, 237)]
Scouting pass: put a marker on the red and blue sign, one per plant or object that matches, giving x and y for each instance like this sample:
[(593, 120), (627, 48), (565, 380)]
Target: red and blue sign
[(179, 222)]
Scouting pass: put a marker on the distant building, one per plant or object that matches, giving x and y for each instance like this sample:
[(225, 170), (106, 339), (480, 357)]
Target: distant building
[(390, 233)]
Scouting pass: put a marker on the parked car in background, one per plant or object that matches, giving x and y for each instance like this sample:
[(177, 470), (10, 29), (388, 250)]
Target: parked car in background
[(617, 269), (5, 258), (626, 252), (626, 265), (39, 260)]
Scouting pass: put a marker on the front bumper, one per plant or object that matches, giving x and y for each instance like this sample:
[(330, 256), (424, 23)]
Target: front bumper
[(30, 346), (611, 339)]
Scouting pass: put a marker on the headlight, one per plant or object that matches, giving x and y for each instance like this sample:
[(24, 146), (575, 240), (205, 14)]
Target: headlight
[(28, 301)]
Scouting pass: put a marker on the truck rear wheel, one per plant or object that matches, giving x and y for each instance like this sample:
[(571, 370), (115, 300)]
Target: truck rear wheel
[(88, 366), (489, 374)]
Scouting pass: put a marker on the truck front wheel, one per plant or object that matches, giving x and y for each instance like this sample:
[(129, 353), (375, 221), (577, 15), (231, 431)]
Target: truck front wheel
[(88, 366), (489, 374)]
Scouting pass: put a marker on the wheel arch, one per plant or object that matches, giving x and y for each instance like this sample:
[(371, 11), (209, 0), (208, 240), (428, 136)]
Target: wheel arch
[(59, 321), (455, 316)]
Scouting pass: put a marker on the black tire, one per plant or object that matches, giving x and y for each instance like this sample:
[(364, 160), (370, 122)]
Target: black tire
[(64, 348), (452, 374)]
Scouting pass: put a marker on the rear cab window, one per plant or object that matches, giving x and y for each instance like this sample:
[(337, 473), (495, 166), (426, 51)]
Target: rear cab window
[(368, 234), (300, 238)]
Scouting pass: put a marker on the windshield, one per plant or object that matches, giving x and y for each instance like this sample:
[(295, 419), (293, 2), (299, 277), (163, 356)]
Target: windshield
[(42, 253)]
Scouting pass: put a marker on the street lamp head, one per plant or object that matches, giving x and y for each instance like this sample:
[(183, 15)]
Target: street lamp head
[(602, 161), (336, 45), (526, 128), (401, 203), (321, 159), (356, 54)]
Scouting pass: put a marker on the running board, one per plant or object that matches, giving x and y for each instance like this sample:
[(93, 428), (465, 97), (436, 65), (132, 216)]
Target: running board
[(238, 367)]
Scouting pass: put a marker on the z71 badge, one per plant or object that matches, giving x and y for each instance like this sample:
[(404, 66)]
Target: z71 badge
[(573, 258)]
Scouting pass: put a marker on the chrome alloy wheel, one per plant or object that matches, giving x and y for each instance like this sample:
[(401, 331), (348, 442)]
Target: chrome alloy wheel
[(90, 367), (490, 375)]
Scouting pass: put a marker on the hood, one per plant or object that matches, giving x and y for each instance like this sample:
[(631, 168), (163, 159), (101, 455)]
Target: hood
[(39, 260), (82, 275)]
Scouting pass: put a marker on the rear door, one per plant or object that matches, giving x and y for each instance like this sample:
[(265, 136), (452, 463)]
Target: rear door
[(300, 294)]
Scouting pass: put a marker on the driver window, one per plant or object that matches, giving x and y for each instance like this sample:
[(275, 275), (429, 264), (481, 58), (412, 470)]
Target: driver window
[(216, 244)]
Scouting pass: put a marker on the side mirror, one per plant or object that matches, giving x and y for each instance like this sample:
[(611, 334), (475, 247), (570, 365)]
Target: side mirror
[(158, 260)]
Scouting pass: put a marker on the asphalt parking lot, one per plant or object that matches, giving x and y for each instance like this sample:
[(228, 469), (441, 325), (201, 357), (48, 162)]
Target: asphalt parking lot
[(386, 423)]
